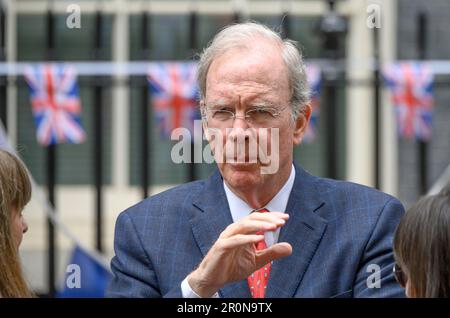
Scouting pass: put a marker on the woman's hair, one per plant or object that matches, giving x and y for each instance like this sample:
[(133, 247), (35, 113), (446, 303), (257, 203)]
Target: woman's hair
[(15, 193), (422, 245)]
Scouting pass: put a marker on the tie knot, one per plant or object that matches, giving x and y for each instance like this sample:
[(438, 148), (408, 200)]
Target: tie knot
[(263, 210)]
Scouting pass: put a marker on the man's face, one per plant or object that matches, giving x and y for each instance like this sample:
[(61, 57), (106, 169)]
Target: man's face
[(241, 80)]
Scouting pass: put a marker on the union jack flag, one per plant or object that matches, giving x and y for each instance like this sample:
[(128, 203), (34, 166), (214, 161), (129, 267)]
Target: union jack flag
[(174, 92), (411, 85), (56, 104), (313, 74)]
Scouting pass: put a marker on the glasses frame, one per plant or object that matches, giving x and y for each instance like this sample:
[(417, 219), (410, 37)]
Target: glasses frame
[(206, 110), (400, 275)]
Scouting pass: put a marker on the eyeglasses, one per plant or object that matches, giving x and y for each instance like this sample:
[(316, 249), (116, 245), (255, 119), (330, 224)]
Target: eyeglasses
[(400, 275), (258, 116)]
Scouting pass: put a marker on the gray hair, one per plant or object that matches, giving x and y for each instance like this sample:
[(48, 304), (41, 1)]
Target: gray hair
[(238, 36)]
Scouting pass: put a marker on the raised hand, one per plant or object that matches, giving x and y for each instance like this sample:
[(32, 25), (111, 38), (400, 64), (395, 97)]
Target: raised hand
[(233, 256)]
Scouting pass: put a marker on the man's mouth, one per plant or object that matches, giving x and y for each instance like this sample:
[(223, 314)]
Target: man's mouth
[(246, 160)]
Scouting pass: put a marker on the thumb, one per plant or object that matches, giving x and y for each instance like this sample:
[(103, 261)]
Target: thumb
[(274, 252)]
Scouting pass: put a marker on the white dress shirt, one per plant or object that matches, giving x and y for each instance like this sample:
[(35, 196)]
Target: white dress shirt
[(240, 209)]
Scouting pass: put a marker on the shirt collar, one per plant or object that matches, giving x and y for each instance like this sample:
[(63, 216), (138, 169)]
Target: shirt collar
[(239, 208)]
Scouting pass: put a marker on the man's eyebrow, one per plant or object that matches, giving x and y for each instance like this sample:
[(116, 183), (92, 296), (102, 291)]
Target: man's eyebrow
[(262, 104), (217, 100), (227, 103), (218, 103)]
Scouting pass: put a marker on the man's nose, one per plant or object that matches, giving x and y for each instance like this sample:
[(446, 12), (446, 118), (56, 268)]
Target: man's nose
[(239, 131), (240, 121)]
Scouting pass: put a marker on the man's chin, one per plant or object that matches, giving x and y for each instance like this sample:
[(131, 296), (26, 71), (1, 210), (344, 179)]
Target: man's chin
[(241, 175)]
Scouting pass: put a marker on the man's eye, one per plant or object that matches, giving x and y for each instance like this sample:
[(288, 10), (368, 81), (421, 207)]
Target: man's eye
[(261, 111), (221, 111)]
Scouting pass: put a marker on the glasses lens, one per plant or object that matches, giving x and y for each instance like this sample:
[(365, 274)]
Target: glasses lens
[(222, 115), (261, 117)]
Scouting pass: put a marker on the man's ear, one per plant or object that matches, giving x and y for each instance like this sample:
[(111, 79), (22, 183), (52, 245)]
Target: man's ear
[(301, 123), (204, 123), (206, 130)]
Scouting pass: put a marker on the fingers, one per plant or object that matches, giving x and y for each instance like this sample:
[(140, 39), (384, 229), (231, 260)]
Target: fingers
[(269, 216), (250, 227), (272, 253), (240, 240), (256, 222)]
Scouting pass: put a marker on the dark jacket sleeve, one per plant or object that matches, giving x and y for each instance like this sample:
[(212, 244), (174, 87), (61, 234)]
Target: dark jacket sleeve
[(375, 277), (133, 273)]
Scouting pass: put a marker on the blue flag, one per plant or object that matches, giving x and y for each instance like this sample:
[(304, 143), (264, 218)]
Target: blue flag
[(85, 277)]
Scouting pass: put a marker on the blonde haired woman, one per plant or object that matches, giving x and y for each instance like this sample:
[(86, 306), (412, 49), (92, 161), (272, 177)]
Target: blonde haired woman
[(15, 193)]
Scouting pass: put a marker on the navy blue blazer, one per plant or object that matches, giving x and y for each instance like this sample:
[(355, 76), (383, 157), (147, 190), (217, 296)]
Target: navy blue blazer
[(340, 232)]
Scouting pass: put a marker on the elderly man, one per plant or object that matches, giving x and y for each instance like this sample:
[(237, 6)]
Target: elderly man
[(246, 232)]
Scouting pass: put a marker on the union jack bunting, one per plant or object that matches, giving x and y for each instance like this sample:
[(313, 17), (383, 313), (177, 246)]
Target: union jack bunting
[(313, 74), (174, 92), (55, 103), (410, 84)]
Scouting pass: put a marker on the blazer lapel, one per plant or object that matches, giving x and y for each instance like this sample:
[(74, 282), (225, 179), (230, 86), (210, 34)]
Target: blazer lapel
[(210, 216), (303, 231)]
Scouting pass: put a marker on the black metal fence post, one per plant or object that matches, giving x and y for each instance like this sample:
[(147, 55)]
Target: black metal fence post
[(98, 137), (377, 108), (422, 145), (145, 110), (51, 175), (237, 17), (192, 173), (286, 31), (332, 26), (3, 79)]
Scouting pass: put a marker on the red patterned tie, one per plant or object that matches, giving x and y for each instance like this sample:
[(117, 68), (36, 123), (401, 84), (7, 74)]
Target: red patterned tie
[(257, 282)]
